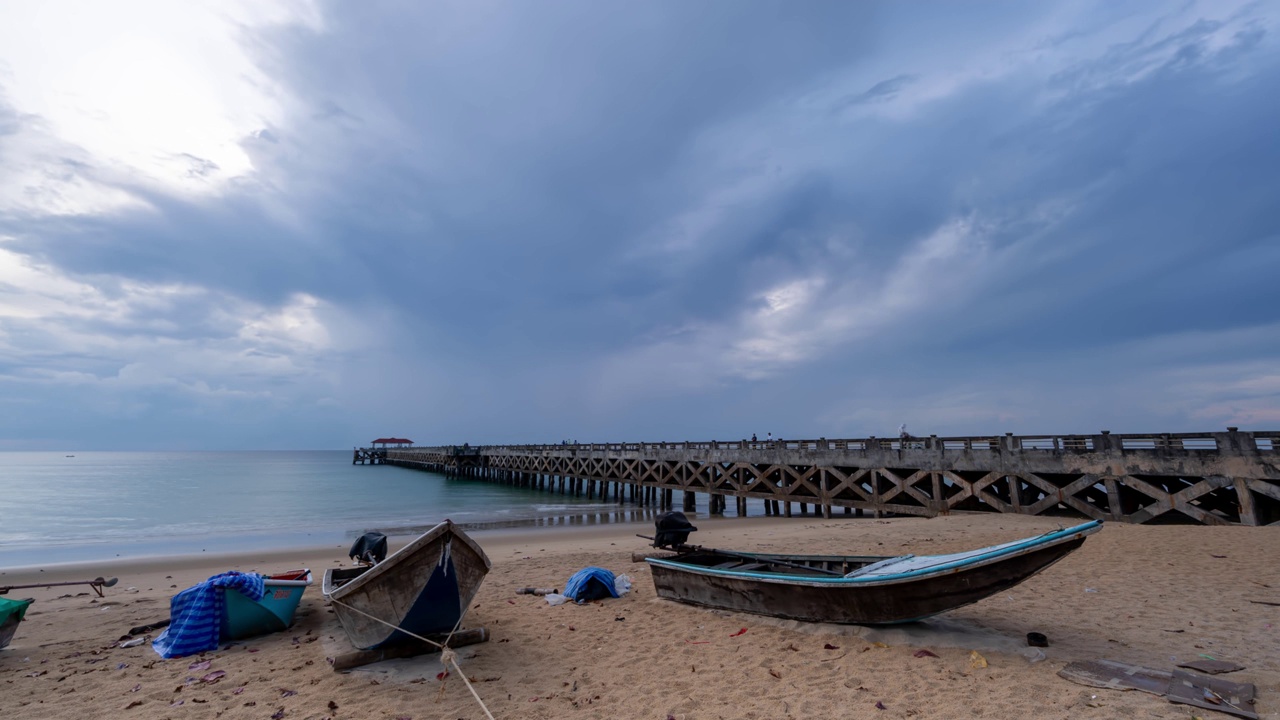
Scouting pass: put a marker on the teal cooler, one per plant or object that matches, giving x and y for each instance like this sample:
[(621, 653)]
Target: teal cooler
[(242, 617)]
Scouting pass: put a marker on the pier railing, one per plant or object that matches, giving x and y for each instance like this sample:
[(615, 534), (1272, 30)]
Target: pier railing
[(1214, 478)]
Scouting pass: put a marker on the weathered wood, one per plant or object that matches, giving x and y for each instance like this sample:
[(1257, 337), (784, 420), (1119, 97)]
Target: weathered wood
[(822, 590), (409, 648), (1211, 478), (425, 587)]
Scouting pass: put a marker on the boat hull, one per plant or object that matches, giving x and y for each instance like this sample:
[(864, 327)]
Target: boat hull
[(424, 589), (245, 618), (11, 613), (860, 601)]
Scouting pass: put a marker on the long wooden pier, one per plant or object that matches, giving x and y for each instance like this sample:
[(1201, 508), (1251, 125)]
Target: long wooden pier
[(1228, 478)]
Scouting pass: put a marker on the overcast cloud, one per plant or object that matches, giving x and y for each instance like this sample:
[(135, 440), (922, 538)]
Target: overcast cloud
[(298, 225)]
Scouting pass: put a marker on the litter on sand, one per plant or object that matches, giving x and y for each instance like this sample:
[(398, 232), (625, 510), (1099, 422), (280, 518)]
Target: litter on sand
[(1178, 686), (1211, 667)]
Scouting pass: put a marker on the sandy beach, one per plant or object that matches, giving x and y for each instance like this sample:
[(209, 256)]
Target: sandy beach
[(1151, 596)]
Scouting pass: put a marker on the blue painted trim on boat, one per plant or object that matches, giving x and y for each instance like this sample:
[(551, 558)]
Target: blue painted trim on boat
[(1028, 544)]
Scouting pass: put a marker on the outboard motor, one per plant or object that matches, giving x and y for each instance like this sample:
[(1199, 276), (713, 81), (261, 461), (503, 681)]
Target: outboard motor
[(370, 548), (673, 529)]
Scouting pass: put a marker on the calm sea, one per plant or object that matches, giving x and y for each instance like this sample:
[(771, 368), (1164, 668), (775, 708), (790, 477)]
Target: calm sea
[(84, 506)]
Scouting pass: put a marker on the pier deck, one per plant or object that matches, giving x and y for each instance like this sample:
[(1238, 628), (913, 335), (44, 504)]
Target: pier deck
[(1210, 478)]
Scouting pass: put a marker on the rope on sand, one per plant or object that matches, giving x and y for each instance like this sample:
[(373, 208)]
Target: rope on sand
[(447, 655)]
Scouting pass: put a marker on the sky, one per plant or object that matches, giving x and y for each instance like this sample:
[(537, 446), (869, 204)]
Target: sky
[(298, 225)]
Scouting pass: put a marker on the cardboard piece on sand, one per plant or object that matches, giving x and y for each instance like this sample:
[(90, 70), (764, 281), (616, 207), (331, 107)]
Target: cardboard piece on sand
[(1114, 675), (1178, 686), (1211, 667), (1212, 694)]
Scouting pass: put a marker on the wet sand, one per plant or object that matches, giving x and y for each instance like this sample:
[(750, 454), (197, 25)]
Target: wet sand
[(1152, 596)]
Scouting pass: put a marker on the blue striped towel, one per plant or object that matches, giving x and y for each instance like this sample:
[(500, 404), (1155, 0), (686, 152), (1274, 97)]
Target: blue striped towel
[(195, 614)]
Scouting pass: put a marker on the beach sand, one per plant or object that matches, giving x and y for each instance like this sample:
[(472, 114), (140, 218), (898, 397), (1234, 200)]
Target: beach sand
[(1139, 594)]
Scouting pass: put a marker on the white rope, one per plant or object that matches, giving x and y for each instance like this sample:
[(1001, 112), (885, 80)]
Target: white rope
[(447, 655)]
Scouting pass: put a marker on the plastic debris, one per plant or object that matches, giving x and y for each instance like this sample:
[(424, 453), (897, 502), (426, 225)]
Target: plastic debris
[(622, 585)]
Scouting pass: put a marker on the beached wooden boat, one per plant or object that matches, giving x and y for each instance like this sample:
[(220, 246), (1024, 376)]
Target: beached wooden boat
[(861, 590), (422, 588)]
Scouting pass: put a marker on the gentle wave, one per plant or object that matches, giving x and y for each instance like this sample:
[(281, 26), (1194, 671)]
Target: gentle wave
[(102, 505)]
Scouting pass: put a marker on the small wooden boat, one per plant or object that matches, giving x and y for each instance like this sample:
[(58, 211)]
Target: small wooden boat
[(422, 588), (11, 613), (242, 617), (861, 590)]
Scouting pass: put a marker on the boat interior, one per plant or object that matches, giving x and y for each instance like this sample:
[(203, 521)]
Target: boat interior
[(338, 577), (794, 565)]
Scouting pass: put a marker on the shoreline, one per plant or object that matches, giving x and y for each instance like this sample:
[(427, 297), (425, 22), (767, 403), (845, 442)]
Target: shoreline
[(236, 545), (1147, 595), (502, 539)]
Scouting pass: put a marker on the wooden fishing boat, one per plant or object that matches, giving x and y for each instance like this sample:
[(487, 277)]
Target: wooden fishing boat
[(423, 588), (860, 590)]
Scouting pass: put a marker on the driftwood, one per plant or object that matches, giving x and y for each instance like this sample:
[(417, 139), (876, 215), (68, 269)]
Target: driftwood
[(408, 648)]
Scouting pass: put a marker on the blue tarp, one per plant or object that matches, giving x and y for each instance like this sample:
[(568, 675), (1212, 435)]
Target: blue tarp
[(579, 588), (195, 614)]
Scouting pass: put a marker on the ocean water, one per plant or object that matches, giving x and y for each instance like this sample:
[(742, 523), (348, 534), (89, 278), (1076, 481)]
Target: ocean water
[(85, 506)]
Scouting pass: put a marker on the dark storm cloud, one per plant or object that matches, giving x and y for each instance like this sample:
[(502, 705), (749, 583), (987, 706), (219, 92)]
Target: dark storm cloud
[(996, 216)]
